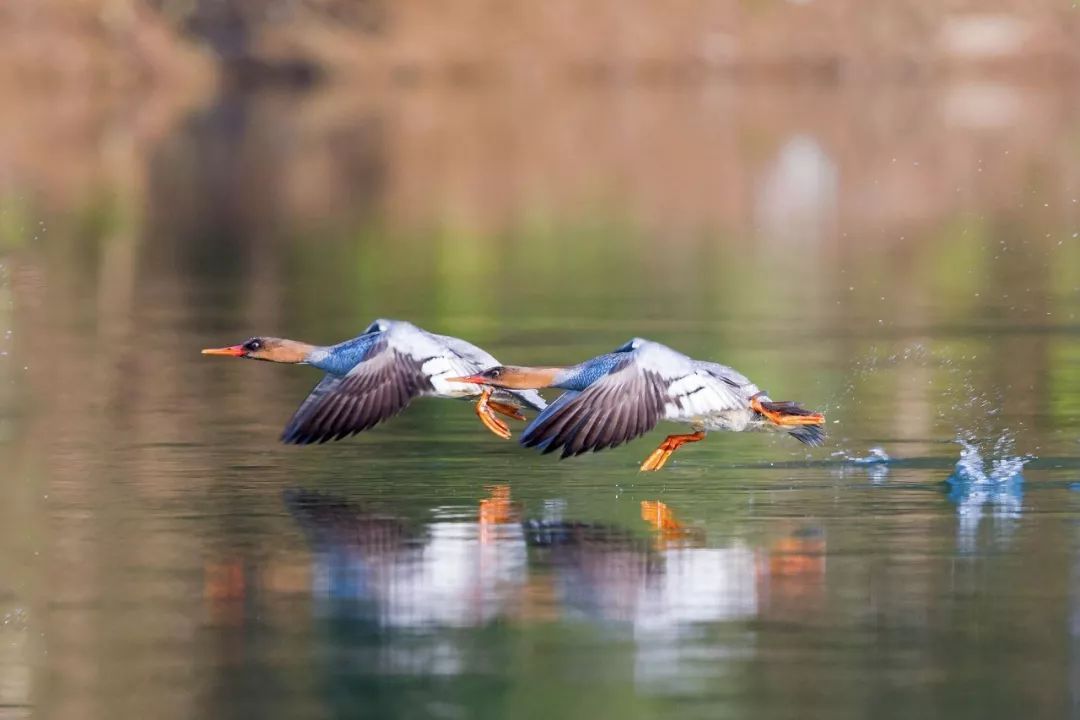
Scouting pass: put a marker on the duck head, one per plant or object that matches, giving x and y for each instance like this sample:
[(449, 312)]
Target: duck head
[(271, 349), (514, 377)]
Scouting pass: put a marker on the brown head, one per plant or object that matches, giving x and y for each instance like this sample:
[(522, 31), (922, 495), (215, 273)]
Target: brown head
[(271, 349), (514, 377)]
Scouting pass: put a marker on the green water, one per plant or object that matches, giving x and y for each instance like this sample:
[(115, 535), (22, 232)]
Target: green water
[(152, 565)]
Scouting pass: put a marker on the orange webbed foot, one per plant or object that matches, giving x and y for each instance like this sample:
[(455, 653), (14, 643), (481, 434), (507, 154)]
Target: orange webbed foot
[(785, 413), (656, 460), (492, 423), (506, 409), (660, 455)]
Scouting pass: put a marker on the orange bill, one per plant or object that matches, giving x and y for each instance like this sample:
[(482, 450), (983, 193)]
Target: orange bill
[(475, 379), (231, 351)]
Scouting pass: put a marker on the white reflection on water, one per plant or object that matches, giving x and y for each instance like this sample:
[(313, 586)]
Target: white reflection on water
[(797, 202), (661, 586), (699, 586), (453, 579), (875, 462)]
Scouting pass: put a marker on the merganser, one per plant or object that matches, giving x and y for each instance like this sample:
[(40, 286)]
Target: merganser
[(376, 375), (620, 396)]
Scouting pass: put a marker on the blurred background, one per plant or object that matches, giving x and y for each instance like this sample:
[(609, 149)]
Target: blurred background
[(873, 208)]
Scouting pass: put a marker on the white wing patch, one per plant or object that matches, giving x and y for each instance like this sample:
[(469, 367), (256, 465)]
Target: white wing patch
[(437, 360), (692, 392), (436, 366), (699, 396), (441, 357), (687, 385), (662, 360), (442, 367)]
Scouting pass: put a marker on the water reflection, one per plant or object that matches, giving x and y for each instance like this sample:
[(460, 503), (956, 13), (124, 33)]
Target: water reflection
[(797, 201), (875, 463), (442, 573), (658, 580)]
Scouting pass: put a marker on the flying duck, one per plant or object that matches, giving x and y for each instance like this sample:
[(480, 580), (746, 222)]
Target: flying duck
[(617, 397), (374, 376)]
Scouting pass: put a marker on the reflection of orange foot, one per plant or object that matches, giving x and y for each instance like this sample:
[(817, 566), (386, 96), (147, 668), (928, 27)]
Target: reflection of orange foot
[(670, 532), (224, 580), (484, 412), (659, 515), (497, 509), (796, 556), (224, 590), (661, 454)]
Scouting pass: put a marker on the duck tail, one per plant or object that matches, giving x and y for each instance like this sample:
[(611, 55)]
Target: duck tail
[(807, 426), (812, 435)]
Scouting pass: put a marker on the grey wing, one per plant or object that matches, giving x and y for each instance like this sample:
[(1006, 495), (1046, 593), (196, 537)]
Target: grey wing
[(653, 382), (379, 387), (623, 405), (483, 360), (528, 398), (730, 376), (478, 356)]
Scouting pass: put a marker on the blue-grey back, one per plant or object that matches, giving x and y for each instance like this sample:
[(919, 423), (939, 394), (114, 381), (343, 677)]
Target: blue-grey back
[(582, 376), (344, 356)]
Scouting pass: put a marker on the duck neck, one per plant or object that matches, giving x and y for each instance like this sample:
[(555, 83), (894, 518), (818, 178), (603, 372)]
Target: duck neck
[(292, 352), (529, 378), (326, 359)]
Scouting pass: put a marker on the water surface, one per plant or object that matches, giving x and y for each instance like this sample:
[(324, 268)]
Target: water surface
[(912, 272)]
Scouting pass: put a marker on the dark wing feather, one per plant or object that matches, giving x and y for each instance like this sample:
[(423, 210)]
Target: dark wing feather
[(379, 387), (623, 405), (527, 438)]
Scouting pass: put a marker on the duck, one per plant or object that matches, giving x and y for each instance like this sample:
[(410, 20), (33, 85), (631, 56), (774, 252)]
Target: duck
[(375, 376), (619, 396)]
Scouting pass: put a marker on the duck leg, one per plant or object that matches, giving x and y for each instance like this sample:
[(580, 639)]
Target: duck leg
[(785, 413), (672, 443), (506, 409), (484, 412)]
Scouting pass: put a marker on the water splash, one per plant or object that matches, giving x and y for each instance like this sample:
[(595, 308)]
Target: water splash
[(876, 461), (961, 394), (875, 456), (976, 486)]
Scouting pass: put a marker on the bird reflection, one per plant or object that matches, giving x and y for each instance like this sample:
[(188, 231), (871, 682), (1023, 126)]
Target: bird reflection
[(506, 565), (595, 570), (405, 575), (329, 521), (391, 589)]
